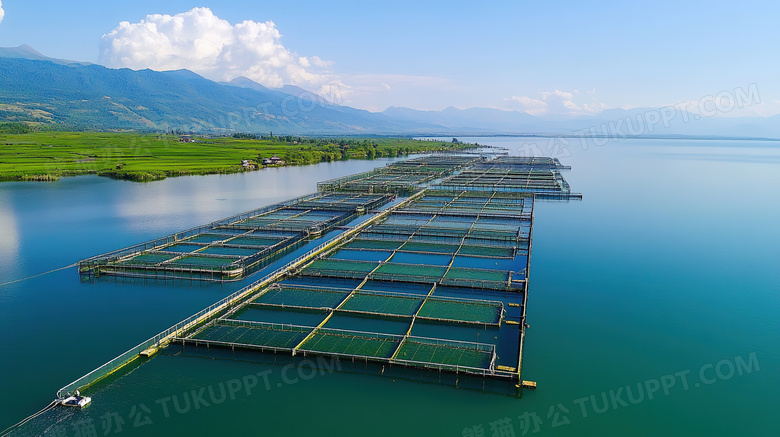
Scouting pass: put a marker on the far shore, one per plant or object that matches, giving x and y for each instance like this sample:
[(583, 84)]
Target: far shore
[(48, 156)]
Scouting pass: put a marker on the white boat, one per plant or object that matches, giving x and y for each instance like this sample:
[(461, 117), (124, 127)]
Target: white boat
[(76, 401)]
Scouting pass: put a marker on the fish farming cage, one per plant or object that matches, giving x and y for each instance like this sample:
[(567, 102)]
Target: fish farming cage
[(421, 245), (457, 218), (482, 203), (371, 325), (390, 349), (378, 181), (434, 164), (439, 245), (461, 277), (230, 248), (436, 285), (419, 302), (381, 304), (546, 183), (404, 178), (500, 180), (523, 162)]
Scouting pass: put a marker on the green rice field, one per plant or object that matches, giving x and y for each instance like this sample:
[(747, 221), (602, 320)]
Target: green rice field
[(141, 157)]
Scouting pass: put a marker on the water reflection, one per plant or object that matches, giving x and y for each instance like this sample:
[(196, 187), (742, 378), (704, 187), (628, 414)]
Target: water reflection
[(9, 240), (180, 203)]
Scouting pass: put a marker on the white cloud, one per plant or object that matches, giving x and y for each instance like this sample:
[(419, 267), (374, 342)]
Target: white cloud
[(558, 103), (2, 12), (531, 106), (200, 41), (314, 60)]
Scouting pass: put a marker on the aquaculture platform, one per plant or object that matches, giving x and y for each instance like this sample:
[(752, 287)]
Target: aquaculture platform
[(230, 248), (435, 283), (405, 177)]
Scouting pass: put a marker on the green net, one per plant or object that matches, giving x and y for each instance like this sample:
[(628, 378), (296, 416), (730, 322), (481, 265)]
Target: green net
[(503, 232), (149, 258), (352, 343), (235, 251), (255, 334), (340, 268), (294, 225), (409, 272), (304, 297), (488, 251), (318, 215), (383, 303), (447, 353), (462, 311), (457, 273), (279, 214), (181, 248), (258, 222), (254, 241), (208, 238), (375, 244), (423, 247), (438, 231), (203, 261)]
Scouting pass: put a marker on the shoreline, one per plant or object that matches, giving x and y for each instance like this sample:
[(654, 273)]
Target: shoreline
[(49, 156)]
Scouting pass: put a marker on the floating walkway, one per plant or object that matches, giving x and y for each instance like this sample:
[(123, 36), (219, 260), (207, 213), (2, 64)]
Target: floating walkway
[(436, 283)]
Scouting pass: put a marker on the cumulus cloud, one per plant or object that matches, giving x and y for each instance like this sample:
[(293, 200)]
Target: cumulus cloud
[(200, 41), (2, 12), (557, 103)]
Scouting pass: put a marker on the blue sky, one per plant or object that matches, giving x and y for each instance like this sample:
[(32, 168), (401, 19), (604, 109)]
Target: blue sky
[(545, 57)]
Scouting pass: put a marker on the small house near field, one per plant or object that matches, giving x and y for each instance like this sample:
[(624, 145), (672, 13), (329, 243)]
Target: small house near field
[(274, 160), (186, 139)]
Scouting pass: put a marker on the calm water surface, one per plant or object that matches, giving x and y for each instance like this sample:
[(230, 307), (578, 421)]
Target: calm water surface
[(662, 284)]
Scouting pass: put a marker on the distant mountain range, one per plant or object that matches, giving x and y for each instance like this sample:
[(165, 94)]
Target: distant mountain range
[(96, 97), (26, 52), (37, 88), (653, 122)]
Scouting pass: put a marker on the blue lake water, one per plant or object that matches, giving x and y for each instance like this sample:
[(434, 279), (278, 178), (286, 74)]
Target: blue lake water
[(653, 306)]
